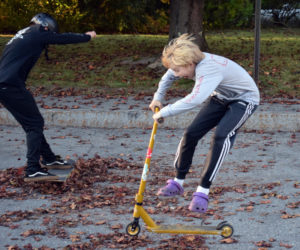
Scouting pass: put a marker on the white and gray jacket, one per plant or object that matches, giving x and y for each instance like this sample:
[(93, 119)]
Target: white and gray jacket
[(214, 75)]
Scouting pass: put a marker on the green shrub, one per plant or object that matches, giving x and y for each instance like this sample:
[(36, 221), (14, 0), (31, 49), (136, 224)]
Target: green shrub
[(228, 14)]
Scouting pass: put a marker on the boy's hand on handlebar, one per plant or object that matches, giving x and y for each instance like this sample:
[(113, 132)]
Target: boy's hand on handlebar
[(91, 33), (155, 103), (157, 117)]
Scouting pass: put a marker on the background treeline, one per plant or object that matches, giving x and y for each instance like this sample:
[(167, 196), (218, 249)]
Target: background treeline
[(141, 16)]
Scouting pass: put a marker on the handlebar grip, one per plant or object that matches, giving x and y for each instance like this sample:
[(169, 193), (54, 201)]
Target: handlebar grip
[(160, 120)]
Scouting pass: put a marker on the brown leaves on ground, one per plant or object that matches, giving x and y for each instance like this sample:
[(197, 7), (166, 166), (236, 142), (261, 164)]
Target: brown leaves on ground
[(106, 93), (83, 177), (112, 240), (265, 245), (183, 242), (109, 93), (32, 232), (87, 188), (81, 191)]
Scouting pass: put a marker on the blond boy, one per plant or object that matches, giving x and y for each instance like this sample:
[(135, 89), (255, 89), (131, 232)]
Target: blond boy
[(232, 97)]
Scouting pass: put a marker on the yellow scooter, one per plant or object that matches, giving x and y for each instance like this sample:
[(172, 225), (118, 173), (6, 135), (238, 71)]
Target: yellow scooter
[(224, 229)]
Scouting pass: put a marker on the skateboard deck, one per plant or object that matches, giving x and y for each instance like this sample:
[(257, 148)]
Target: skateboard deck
[(62, 174)]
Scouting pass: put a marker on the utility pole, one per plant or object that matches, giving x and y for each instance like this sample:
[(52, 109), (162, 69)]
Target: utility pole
[(257, 40)]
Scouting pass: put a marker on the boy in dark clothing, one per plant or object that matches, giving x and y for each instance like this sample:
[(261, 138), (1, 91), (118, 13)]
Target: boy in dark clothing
[(19, 56)]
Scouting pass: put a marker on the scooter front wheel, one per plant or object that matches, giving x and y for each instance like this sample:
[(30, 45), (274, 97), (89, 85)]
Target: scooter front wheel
[(133, 229)]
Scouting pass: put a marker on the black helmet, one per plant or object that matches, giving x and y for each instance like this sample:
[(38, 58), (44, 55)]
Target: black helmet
[(45, 20)]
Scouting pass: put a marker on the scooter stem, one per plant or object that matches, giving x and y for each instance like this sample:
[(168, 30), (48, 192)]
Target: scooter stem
[(140, 195)]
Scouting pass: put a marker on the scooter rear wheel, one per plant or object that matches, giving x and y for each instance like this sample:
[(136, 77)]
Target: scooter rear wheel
[(133, 229), (227, 230)]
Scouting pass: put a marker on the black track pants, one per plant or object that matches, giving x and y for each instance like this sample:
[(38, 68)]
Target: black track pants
[(21, 104), (227, 117)]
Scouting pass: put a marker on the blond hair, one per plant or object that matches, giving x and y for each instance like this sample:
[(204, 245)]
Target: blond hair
[(181, 51)]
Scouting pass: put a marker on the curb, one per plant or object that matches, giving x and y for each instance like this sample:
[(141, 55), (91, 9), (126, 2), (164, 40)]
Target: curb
[(261, 120)]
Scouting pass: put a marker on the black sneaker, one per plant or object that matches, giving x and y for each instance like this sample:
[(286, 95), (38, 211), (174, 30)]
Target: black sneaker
[(41, 174), (58, 163)]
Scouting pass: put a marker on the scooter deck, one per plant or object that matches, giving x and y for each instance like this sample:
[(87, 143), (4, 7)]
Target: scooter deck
[(185, 229)]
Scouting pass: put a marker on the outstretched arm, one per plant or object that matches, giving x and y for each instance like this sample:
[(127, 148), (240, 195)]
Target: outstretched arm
[(67, 38), (91, 33)]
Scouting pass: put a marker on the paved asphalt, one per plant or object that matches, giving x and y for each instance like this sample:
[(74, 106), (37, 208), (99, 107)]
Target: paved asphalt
[(261, 173)]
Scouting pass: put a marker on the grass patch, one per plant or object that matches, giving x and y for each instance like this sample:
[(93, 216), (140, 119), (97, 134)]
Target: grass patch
[(279, 57), (111, 62)]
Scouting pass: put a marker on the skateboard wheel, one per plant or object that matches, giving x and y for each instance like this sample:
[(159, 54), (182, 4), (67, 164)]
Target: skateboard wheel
[(133, 229)]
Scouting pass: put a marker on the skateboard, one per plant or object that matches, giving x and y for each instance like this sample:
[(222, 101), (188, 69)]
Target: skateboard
[(61, 174)]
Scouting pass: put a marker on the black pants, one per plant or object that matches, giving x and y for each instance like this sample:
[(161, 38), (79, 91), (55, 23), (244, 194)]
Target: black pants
[(21, 104), (227, 117)]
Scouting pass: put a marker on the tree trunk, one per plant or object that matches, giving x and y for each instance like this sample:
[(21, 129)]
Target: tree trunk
[(186, 16)]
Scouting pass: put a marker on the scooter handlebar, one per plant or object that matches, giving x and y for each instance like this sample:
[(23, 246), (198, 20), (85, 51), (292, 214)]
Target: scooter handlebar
[(159, 120)]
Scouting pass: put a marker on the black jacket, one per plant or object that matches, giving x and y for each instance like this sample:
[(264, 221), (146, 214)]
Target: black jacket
[(24, 49)]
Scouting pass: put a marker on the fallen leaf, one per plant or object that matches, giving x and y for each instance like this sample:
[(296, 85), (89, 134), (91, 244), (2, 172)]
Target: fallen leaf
[(285, 245), (101, 222), (229, 241), (263, 244), (118, 226)]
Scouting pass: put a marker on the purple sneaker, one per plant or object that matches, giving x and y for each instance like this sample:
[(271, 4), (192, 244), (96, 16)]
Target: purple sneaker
[(171, 189), (199, 202)]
